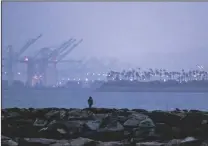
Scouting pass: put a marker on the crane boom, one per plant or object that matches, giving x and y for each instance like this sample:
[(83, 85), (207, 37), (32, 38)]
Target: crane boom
[(67, 45), (28, 44), (55, 52), (68, 61), (67, 52)]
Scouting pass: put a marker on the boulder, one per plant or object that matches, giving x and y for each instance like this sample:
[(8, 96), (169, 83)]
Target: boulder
[(150, 144), (114, 126), (61, 143), (164, 130), (100, 116), (174, 142), (40, 123), (192, 122), (204, 143), (110, 144), (106, 130), (134, 120), (13, 115), (169, 118), (188, 141), (83, 142), (100, 110), (93, 125), (36, 142), (147, 123), (144, 133), (62, 129), (80, 115), (142, 111), (6, 141), (9, 143), (122, 119), (53, 114)]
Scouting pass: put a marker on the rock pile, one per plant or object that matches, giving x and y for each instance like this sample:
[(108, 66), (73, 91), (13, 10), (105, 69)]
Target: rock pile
[(103, 127)]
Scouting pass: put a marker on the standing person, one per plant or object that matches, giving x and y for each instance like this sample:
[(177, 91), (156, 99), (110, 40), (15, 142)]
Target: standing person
[(90, 102)]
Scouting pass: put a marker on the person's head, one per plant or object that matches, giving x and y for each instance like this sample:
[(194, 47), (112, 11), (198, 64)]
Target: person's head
[(90, 97)]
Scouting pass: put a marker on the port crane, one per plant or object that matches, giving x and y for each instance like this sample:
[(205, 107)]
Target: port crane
[(13, 57), (46, 56), (62, 56)]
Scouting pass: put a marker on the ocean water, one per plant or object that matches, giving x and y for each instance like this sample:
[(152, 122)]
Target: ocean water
[(131, 100)]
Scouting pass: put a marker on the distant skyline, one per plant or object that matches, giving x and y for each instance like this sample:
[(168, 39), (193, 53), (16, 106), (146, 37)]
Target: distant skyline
[(144, 34)]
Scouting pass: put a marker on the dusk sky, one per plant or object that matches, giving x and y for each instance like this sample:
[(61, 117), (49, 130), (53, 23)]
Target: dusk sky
[(168, 35)]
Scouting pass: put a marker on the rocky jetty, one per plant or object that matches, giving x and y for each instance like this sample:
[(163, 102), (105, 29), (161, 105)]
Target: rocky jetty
[(103, 127)]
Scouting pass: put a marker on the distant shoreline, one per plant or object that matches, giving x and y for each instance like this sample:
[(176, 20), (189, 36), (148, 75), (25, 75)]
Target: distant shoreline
[(57, 90), (154, 86), (118, 89), (120, 86)]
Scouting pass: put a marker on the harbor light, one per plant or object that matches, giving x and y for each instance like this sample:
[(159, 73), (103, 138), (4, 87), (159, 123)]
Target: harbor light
[(26, 58)]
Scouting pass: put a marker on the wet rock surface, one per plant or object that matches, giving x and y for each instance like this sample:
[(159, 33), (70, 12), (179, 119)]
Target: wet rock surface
[(103, 127)]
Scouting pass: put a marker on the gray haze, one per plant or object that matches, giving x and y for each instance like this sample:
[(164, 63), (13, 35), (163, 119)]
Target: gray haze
[(168, 35)]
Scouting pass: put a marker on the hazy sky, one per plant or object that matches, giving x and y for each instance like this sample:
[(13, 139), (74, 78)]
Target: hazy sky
[(169, 35)]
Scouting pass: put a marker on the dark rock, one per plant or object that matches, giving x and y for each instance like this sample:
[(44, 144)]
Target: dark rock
[(53, 115), (144, 133), (62, 129), (100, 110), (80, 115), (171, 119), (36, 142), (13, 115), (110, 144), (112, 131), (122, 119), (100, 116), (142, 111), (9, 143), (61, 143), (139, 120), (174, 142), (93, 125), (109, 129), (191, 122), (176, 133), (40, 123), (164, 130), (190, 141), (6, 141), (83, 142), (150, 144), (204, 143)]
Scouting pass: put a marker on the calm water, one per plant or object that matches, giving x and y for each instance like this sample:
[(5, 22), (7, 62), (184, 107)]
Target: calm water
[(150, 101)]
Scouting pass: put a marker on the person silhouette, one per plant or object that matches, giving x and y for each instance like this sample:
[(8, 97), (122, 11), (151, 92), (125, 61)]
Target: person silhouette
[(90, 102)]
